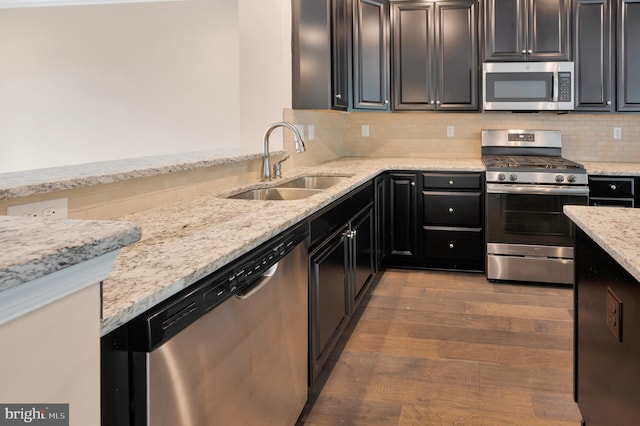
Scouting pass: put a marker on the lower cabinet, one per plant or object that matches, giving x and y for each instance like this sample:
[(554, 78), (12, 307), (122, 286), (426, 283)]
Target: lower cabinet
[(618, 191), (607, 337), (342, 262), (435, 220)]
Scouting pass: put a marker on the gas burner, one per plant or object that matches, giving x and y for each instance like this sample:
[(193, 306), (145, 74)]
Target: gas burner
[(529, 162)]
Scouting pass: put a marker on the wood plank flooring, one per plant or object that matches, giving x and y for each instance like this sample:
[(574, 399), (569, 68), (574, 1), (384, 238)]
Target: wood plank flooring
[(443, 348)]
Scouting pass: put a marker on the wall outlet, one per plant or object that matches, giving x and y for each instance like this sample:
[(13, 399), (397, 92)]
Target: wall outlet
[(311, 131), (49, 209), (614, 314), (450, 131), (365, 130), (617, 133)]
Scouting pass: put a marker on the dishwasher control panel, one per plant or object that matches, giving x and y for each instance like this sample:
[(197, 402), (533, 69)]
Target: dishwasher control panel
[(167, 319)]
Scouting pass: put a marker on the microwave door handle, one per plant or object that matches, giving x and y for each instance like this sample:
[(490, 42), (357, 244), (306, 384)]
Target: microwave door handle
[(554, 86)]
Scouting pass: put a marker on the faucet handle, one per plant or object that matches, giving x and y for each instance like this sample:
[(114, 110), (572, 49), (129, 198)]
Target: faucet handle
[(277, 170)]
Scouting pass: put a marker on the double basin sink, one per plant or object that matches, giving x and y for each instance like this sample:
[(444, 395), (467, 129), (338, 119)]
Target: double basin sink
[(295, 189)]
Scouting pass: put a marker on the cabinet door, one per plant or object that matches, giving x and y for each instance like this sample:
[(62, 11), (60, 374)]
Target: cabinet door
[(592, 53), (456, 43), (371, 55), (548, 30), (629, 55), (413, 36), (521, 30), (380, 214), (363, 253), (505, 30), (402, 216), (341, 54), (329, 299)]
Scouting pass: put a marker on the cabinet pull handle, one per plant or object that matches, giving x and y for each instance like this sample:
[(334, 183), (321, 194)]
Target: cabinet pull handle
[(613, 187), (339, 96), (386, 101), (413, 184), (608, 102), (524, 51), (438, 102), (450, 209), (450, 182), (450, 245), (530, 51), (431, 102)]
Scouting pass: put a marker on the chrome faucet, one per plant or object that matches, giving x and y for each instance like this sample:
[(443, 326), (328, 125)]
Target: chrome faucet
[(266, 167)]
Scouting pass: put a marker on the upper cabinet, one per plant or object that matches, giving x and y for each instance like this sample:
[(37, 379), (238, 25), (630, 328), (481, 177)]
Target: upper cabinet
[(593, 55), (371, 55), (527, 30), (628, 55), (597, 58), (435, 55)]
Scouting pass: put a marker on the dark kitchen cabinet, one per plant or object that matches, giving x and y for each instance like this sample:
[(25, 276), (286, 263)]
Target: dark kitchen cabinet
[(341, 43), (341, 266), (435, 55), (593, 55), (607, 75), (402, 222), (380, 212), (618, 191), (628, 55), (371, 55), (527, 30), (607, 337), (452, 221)]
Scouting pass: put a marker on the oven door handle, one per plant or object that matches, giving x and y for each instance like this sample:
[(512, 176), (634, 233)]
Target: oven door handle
[(498, 188)]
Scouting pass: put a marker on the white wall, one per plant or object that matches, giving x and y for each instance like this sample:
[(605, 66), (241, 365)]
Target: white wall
[(91, 83)]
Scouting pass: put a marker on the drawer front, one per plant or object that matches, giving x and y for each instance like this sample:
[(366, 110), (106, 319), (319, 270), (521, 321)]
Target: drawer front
[(451, 209), (453, 245), (451, 180), (611, 187), (613, 202)]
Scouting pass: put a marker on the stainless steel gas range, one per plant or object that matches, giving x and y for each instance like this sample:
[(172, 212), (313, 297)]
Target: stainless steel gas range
[(528, 237)]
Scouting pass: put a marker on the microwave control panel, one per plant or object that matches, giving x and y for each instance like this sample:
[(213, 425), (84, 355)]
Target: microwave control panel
[(564, 87)]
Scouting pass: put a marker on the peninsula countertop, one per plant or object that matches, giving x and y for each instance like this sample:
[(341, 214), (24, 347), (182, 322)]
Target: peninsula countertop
[(615, 229), (34, 248), (187, 240)]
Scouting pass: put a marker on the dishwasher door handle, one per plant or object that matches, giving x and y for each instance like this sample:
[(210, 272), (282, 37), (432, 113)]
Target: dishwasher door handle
[(266, 277)]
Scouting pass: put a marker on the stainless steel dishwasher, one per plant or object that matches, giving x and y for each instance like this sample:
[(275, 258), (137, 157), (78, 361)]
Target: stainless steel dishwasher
[(231, 351)]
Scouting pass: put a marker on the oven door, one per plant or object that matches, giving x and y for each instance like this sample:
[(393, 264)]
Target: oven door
[(531, 214)]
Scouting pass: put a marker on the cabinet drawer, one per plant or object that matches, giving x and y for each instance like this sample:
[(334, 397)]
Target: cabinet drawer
[(451, 180), (611, 187), (612, 202), (451, 209), (453, 244)]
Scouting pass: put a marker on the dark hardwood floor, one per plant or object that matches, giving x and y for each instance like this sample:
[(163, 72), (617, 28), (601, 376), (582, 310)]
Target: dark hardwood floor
[(443, 348)]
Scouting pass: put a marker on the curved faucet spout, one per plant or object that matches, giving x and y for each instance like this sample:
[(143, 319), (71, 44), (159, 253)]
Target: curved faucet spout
[(266, 167)]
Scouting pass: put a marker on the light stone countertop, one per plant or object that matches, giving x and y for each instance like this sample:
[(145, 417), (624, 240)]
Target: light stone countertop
[(188, 240), (41, 181), (615, 229), (33, 248), (611, 169)]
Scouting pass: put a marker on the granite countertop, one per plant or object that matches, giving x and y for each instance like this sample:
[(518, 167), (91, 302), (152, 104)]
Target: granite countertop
[(187, 240), (615, 229), (34, 248), (611, 169)]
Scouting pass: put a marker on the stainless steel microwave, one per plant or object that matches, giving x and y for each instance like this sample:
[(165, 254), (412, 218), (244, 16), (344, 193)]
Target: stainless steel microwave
[(528, 86)]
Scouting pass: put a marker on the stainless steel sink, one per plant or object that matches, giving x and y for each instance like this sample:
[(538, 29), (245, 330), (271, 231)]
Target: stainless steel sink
[(275, 194), (313, 182)]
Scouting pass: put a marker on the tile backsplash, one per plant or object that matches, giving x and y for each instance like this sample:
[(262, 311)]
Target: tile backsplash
[(586, 137)]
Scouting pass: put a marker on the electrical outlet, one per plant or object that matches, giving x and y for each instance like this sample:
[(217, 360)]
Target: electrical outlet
[(617, 133), (311, 129), (614, 314), (450, 131), (365, 130), (49, 209)]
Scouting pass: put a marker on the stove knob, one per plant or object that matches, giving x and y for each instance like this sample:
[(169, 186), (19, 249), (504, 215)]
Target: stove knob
[(559, 178), (571, 178), (513, 177), (501, 176)]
